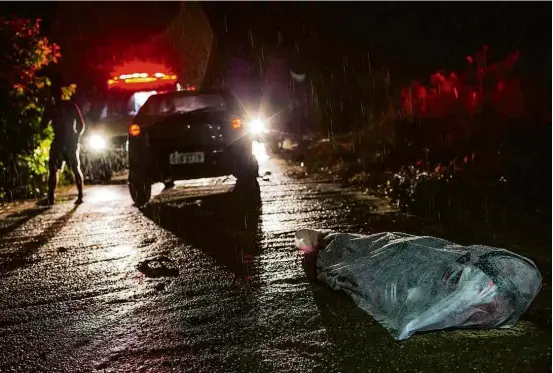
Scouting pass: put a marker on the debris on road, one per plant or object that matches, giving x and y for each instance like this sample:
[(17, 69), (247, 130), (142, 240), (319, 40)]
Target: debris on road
[(161, 286), (160, 266), (413, 283), (62, 249)]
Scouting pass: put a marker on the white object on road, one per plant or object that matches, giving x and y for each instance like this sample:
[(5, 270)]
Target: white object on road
[(411, 283)]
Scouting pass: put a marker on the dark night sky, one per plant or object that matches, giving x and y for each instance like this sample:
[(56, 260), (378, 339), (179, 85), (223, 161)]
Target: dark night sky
[(419, 37), (414, 39)]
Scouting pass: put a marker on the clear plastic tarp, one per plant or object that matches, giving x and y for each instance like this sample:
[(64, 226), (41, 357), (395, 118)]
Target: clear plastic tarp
[(412, 284)]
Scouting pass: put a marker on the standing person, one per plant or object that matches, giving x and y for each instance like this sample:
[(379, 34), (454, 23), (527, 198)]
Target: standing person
[(68, 124)]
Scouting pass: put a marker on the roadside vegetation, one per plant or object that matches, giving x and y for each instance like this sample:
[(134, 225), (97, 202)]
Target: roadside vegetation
[(24, 90), (468, 151)]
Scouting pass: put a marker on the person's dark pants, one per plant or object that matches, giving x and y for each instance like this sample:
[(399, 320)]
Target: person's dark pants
[(68, 153)]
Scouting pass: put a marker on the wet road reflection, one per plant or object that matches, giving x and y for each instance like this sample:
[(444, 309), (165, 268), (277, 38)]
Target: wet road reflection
[(206, 279)]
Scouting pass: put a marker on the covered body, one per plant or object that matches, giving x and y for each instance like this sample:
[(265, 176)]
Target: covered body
[(410, 283)]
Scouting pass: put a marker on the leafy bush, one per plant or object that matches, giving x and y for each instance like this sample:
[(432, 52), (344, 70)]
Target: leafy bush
[(24, 143)]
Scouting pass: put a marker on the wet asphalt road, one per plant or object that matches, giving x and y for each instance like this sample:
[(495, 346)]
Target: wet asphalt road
[(206, 279)]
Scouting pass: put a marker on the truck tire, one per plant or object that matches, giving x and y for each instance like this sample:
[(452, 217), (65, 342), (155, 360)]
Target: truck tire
[(140, 191), (247, 173)]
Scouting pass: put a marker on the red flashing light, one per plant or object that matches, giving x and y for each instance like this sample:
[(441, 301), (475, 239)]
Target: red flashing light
[(140, 78)]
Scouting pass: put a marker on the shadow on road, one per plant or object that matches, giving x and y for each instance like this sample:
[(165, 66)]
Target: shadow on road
[(14, 221), (349, 328), (224, 226), (17, 259)]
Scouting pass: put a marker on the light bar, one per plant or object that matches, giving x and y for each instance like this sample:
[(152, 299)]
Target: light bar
[(140, 78)]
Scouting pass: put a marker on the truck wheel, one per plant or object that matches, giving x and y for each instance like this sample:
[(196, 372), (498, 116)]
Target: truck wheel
[(141, 192), (248, 171), (247, 188), (246, 177)]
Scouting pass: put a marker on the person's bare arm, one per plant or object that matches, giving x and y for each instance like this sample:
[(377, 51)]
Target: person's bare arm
[(80, 120)]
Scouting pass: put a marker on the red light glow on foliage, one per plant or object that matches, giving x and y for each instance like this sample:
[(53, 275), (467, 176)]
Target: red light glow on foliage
[(448, 94), (25, 53)]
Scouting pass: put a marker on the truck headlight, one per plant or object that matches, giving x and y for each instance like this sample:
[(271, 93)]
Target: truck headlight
[(257, 126), (97, 142)]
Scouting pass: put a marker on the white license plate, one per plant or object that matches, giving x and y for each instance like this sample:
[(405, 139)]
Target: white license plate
[(186, 158)]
